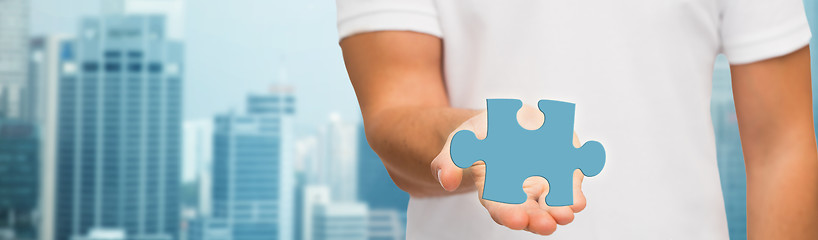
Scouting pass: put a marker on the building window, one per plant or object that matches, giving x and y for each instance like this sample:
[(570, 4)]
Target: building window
[(135, 67), (67, 51), (135, 54), (112, 54), (155, 68), (112, 67), (90, 67)]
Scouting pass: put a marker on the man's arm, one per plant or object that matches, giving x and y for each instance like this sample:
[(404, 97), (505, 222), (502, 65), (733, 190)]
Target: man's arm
[(398, 79), (774, 107)]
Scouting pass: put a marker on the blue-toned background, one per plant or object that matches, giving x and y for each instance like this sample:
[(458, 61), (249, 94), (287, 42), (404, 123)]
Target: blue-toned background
[(207, 119)]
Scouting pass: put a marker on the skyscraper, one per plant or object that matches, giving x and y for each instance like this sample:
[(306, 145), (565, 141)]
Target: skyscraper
[(340, 221), (43, 85), (197, 147), (386, 224), (19, 163), (313, 196), (198, 155), (13, 58), (209, 229), (253, 176), (119, 130), (173, 10), (306, 155), (728, 146), (340, 159)]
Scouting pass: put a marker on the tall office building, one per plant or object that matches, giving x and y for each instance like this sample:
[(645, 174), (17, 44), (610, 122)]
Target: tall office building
[(119, 130), (13, 58), (313, 196), (375, 187), (340, 221), (198, 155), (253, 176), (197, 147), (305, 153), (206, 228), (728, 144), (43, 85), (19, 163), (386, 224), (103, 234), (340, 159), (173, 10)]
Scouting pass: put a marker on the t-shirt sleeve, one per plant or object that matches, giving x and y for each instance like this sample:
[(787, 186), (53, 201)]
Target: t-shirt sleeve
[(360, 16), (755, 30)]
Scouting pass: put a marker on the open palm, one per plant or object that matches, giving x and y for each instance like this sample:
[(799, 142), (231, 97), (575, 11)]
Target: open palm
[(534, 214)]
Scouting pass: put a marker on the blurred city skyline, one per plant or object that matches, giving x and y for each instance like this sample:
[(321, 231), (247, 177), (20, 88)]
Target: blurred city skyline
[(258, 43), (295, 39), (104, 87)]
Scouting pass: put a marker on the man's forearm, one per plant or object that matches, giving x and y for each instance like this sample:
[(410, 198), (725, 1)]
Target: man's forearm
[(408, 138), (782, 193)]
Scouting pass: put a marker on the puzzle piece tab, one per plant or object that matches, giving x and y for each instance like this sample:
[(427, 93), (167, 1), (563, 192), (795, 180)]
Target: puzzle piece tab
[(512, 153)]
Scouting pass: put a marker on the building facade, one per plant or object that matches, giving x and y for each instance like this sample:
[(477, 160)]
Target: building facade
[(386, 224), (13, 58), (119, 129), (198, 152), (209, 229), (43, 86), (253, 177), (173, 10), (312, 196), (19, 164), (340, 221), (340, 159)]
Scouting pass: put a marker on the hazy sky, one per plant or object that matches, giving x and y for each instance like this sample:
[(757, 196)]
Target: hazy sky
[(240, 46)]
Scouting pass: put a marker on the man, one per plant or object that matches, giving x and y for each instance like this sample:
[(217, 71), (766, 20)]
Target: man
[(639, 72)]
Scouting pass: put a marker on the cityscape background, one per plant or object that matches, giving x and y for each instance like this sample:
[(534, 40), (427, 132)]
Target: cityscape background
[(174, 119)]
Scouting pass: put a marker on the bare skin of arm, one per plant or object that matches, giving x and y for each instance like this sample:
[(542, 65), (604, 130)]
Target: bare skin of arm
[(774, 107), (398, 79)]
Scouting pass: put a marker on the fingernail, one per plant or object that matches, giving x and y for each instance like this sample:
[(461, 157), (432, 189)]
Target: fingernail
[(439, 180)]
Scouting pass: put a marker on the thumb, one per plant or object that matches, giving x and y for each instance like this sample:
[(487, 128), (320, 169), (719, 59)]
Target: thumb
[(443, 168), (445, 171)]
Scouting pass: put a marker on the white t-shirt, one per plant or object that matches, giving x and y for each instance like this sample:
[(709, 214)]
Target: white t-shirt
[(640, 74)]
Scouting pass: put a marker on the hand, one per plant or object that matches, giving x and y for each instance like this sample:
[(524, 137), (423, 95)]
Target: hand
[(533, 215)]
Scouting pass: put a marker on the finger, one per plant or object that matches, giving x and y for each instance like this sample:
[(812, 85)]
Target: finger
[(579, 196), (443, 168), (447, 173), (576, 141), (540, 222), (561, 215), (512, 216)]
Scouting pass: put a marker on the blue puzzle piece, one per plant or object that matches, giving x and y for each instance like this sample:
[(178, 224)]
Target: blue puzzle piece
[(512, 153)]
